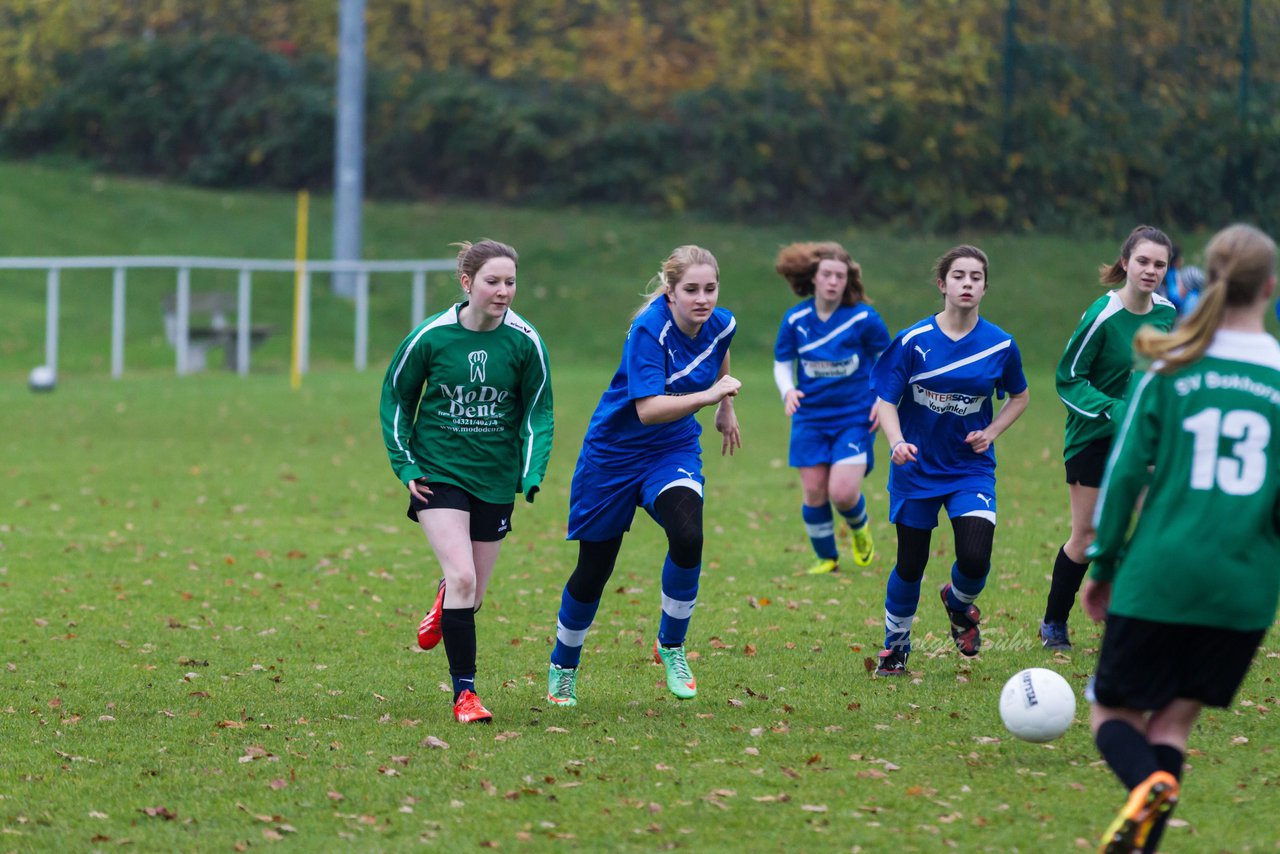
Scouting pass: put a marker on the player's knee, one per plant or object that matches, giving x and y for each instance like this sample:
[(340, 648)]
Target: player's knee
[(845, 498), (684, 544), (460, 588)]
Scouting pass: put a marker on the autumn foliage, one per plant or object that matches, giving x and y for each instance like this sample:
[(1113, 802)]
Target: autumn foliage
[(932, 112)]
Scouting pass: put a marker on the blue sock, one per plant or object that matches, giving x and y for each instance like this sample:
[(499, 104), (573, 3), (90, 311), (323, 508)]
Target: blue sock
[(856, 515), (571, 629), (900, 601), (679, 595), (819, 523), (462, 683), (964, 589)]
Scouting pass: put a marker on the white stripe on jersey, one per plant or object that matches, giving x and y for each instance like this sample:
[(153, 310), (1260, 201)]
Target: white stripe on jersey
[(1112, 308), (450, 316), (968, 360), (833, 333), (914, 332), (662, 336), (804, 312), (701, 357), (518, 323)]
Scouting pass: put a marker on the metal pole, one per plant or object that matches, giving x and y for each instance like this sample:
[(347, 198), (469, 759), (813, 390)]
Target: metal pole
[(117, 323), (348, 175), (183, 312), (304, 324), (242, 323), (51, 320), (362, 320), (419, 298)]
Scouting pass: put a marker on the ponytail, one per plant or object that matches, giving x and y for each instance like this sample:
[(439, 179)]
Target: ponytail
[(1114, 273), (1239, 261)]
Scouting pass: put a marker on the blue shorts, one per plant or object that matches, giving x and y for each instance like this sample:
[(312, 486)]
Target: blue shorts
[(602, 502), (923, 512), (831, 445)]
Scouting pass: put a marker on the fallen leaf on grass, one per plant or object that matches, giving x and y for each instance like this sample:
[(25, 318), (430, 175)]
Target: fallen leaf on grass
[(278, 783), (159, 812), (506, 736), (337, 796), (230, 724), (432, 741), (814, 807)]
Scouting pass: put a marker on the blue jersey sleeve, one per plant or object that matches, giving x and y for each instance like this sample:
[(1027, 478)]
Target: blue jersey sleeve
[(646, 363), (1012, 380), (890, 375), (784, 350), (875, 335)]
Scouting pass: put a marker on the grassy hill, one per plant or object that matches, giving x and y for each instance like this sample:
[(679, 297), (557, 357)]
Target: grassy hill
[(581, 272)]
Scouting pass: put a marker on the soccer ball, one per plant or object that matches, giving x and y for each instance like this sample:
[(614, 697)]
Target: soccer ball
[(42, 378), (1037, 704)]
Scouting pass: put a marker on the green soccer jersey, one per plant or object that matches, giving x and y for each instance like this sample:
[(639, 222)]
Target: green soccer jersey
[(470, 408), (1206, 548), (1093, 373)]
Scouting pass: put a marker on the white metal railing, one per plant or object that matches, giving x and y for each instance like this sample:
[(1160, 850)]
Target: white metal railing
[(246, 267)]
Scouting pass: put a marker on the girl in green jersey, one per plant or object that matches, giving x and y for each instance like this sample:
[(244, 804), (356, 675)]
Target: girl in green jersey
[(1092, 377), (1189, 595), (466, 417)]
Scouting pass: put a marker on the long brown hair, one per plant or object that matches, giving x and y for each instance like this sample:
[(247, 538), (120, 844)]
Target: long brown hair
[(1239, 260), (798, 264), (1114, 273)]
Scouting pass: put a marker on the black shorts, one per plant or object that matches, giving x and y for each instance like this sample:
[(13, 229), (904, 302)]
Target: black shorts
[(489, 522), (1146, 665), (1089, 464)]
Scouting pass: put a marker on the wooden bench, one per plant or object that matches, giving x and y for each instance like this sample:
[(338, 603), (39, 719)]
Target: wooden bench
[(209, 325)]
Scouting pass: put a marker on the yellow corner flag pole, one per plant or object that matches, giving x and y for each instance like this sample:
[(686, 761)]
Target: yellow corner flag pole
[(299, 295)]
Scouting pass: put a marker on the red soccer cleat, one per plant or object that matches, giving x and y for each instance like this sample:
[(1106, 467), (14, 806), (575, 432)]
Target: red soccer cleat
[(469, 710), (430, 630)]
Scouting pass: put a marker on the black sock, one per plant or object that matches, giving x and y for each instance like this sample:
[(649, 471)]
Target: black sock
[(1127, 751), (1169, 758), (458, 625), (1067, 575)]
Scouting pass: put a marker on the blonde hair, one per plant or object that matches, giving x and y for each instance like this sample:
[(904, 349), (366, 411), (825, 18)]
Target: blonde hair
[(672, 270), (1114, 273), (798, 264), (1239, 261)]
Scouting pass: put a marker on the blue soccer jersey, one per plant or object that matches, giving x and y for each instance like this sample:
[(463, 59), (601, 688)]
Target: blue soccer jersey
[(834, 358), (657, 358), (943, 390)]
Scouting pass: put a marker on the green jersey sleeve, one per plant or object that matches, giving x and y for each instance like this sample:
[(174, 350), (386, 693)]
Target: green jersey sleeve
[(398, 406), (1127, 475), (1082, 397), (537, 424)]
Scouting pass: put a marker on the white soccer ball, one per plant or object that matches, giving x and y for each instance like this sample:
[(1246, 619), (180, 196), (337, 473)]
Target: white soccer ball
[(42, 378), (1037, 704)]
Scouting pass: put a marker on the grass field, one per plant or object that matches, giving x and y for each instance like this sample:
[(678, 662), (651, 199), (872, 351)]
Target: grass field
[(209, 592)]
